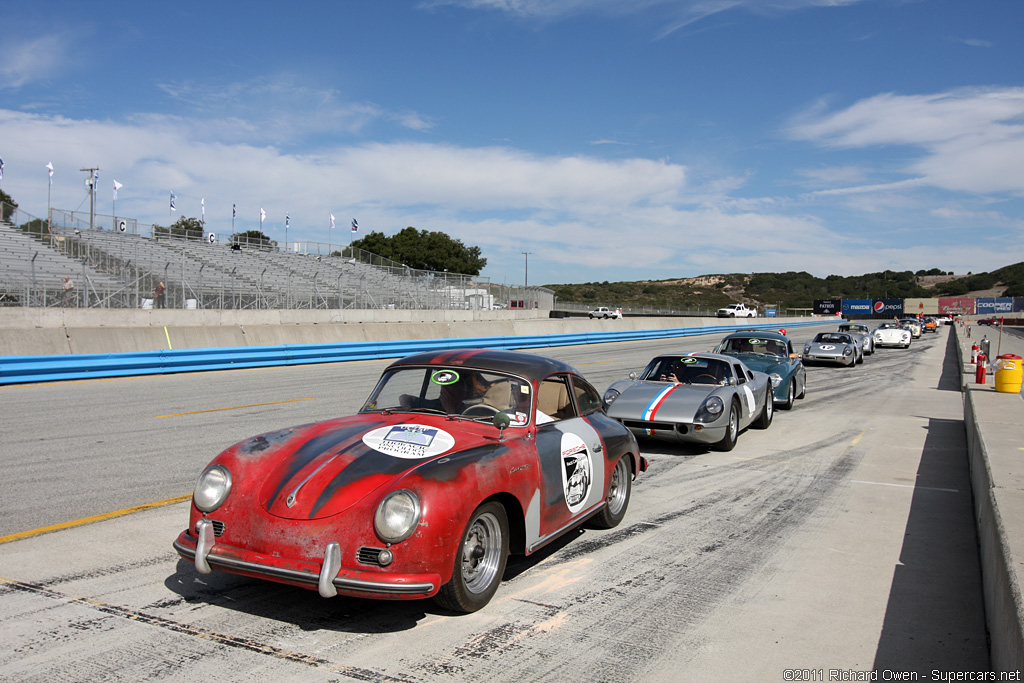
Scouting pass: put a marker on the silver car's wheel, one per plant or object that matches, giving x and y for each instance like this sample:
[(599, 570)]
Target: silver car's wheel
[(764, 420), (479, 562), (732, 431)]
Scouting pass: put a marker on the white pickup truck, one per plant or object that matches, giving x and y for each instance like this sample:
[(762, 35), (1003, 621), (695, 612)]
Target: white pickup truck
[(605, 312), (737, 311)]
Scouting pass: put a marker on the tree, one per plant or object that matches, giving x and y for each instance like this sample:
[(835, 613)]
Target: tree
[(425, 250), (189, 228), (7, 206), (253, 238)]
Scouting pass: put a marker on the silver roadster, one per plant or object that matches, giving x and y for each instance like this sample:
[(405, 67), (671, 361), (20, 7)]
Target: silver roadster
[(863, 332), (891, 333), (833, 347), (704, 398)]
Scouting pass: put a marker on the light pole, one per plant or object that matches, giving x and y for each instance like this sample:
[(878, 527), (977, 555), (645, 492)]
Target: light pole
[(526, 275), (91, 182)]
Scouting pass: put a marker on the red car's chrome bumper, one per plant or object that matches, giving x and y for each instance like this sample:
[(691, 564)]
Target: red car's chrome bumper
[(328, 577)]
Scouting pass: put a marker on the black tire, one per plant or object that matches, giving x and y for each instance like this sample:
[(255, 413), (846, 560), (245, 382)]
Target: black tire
[(764, 420), (790, 396), (732, 432), (803, 389), (479, 561), (619, 489)]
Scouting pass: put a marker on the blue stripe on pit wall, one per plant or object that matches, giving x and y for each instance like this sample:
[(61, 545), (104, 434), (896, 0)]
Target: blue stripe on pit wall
[(50, 368)]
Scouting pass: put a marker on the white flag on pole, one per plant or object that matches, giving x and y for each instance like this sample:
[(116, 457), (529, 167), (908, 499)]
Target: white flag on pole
[(332, 221), (117, 186), (49, 169)]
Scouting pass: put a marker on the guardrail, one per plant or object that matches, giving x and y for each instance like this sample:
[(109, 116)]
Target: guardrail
[(50, 368)]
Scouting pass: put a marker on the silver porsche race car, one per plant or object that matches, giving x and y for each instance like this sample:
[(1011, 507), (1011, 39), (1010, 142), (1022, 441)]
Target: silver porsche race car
[(862, 332), (833, 347), (704, 398)]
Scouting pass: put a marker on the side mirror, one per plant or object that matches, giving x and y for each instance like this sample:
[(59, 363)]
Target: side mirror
[(632, 376), (501, 420)]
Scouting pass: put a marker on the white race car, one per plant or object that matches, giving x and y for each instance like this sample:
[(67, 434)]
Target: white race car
[(892, 334)]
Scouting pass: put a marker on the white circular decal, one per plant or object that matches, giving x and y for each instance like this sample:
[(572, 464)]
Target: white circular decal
[(409, 441), (577, 472), (827, 347)]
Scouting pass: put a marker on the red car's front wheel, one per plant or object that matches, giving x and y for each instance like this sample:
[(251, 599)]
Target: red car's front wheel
[(480, 561)]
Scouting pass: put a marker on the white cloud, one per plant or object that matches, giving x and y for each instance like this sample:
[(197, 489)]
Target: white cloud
[(968, 140), (26, 61)]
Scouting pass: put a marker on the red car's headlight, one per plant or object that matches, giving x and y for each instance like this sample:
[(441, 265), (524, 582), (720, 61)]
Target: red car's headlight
[(397, 516), (212, 488)]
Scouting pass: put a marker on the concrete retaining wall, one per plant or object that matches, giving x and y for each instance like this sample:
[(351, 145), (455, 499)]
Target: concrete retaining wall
[(994, 446), (41, 331)]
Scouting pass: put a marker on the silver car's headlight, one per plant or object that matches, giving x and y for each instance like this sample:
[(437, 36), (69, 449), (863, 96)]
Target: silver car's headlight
[(609, 397), (848, 351), (212, 488), (776, 379), (397, 516), (711, 409)]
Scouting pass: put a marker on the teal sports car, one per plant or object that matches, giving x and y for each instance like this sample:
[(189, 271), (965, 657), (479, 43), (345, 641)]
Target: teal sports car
[(771, 353)]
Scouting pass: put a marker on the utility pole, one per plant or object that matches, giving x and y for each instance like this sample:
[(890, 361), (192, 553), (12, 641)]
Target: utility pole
[(91, 182), (526, 275)]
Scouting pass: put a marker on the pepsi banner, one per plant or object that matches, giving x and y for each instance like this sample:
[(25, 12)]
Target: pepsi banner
[(887, 308), (856, 307), (991, 305), (827, 306)]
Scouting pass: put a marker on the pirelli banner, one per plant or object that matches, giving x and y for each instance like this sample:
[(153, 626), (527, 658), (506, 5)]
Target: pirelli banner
[(828, 306)]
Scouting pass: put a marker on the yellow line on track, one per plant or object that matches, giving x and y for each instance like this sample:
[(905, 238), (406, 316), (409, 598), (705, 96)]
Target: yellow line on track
[(94, 518), (251, 405), (854, 442)]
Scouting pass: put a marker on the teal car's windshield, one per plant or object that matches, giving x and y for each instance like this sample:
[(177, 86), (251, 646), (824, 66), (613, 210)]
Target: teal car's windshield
[(770, 347)]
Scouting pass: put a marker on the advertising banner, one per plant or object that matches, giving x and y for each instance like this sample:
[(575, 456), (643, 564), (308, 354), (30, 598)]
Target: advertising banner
[(1018, 304), (993, 305), (963, 305), (920, 307), (887, 308), (827, 306), (856, 307)]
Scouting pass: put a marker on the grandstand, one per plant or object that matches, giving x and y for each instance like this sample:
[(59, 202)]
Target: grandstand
[(121, 269)]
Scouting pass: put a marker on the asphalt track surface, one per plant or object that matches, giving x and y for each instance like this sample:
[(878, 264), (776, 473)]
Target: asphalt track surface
[(838, 541)]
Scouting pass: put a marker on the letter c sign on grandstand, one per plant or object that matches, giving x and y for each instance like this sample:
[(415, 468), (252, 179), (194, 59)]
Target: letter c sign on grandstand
[(212, 237), (122, 226)]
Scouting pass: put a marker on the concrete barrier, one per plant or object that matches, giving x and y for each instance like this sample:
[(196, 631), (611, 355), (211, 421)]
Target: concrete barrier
[(122, 351), (994, 423)]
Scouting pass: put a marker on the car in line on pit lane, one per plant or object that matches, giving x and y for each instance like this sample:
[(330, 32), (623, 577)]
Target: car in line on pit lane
[(456, 459), (703, 398), (931, 325), (771, 353), (892, 334), (833, 347), (861, 332), (915, 326)]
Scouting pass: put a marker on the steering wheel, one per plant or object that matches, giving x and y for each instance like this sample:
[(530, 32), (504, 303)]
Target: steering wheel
[(712, 377), (481, 410)]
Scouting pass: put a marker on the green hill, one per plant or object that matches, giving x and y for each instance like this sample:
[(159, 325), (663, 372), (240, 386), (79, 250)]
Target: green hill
[(792, 289)]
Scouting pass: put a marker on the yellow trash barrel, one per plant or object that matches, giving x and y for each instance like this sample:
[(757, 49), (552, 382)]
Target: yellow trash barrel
[(1009, 371)]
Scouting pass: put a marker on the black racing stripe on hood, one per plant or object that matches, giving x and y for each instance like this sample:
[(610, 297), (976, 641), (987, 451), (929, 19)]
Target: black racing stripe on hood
[(316, 446), (366, 461), (447, 468)]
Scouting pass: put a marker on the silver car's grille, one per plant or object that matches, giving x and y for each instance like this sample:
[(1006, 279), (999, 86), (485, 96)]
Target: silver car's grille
[(656, 426)]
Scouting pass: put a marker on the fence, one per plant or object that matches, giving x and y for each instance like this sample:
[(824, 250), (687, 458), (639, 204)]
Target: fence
[(121, 267)]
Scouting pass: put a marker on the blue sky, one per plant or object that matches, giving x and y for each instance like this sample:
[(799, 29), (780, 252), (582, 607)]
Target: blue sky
[(610, 139)]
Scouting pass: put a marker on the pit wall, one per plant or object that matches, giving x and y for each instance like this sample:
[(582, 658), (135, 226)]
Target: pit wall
[(993, 422), (33, 331)]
